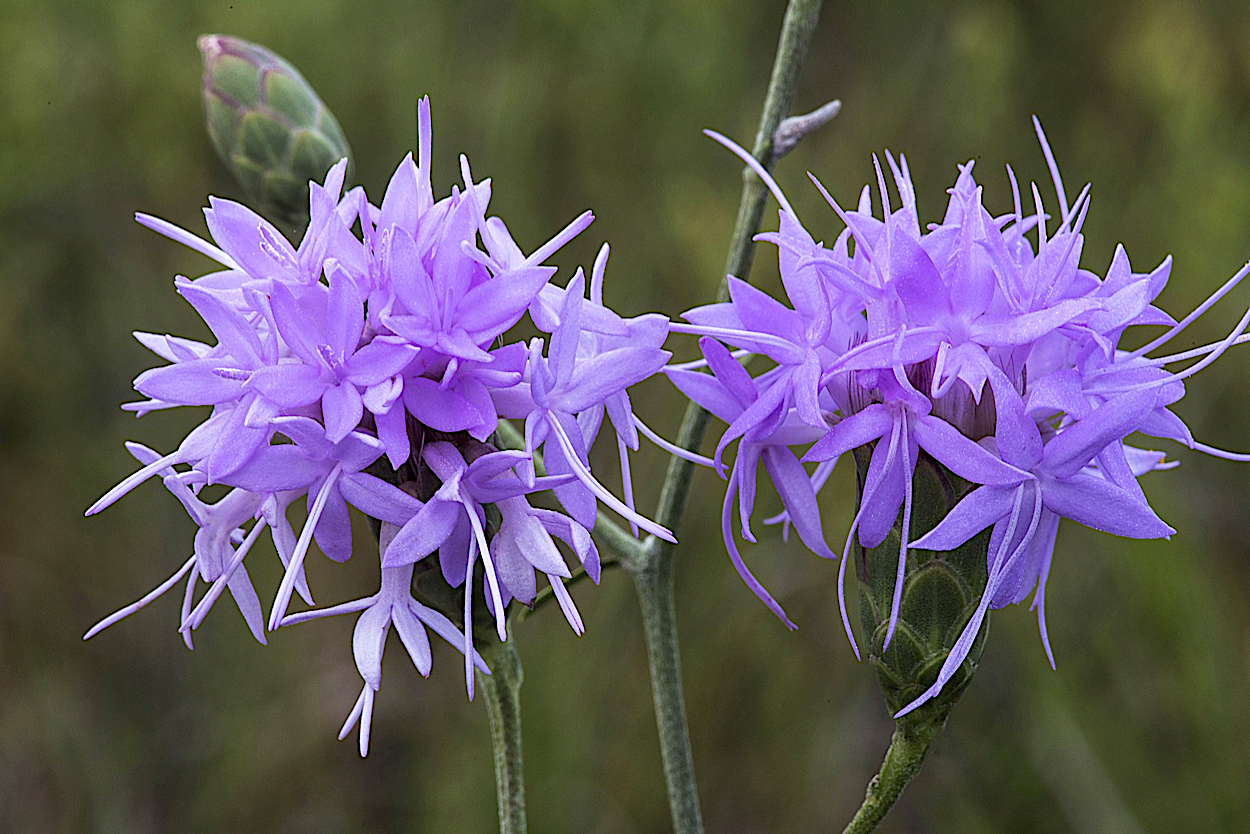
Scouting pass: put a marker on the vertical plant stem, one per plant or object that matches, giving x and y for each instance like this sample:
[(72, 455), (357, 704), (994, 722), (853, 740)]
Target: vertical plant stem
[(653, 571), (503, 705), (654, 583), (796, 36), (902, 763)]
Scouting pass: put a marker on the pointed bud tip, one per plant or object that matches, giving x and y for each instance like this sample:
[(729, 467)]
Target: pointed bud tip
[(211, 46)]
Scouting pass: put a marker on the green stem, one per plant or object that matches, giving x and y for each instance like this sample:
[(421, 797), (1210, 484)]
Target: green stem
[(796, 37), (902, 763), (653, 568), (503, 704), (654, 584), (629, 551)]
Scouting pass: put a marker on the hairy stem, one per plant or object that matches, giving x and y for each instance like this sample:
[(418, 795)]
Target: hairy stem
[(653, 571), (902, 762), (655, 597), (503, 704), (796, 37)]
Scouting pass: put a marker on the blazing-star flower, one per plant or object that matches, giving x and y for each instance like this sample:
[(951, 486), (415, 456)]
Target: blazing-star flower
[(887, 346), (370, 369)]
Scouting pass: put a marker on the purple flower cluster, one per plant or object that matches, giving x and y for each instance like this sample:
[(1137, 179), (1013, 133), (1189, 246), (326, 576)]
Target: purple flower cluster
[(376, 347), (978, 340)]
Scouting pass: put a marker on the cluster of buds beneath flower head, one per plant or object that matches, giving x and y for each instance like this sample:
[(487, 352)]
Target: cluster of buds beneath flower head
[(977, 349), (371, 369)]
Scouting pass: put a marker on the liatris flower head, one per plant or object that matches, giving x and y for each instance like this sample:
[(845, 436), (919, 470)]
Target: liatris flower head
[(371, 370), (972, 368), (268, 125)]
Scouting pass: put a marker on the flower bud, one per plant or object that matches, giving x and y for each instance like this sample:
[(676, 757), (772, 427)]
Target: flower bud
[(268, 125), (941, 590)]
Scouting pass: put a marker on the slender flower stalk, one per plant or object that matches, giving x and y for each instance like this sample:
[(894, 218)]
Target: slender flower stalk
[(502, 690), (902, 762), (654, 584)]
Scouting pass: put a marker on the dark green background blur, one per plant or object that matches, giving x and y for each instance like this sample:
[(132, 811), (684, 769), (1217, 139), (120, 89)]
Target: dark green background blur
[(570, 105)]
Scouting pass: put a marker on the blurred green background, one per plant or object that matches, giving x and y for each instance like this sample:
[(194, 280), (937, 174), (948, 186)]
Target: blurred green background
[(569, 105)]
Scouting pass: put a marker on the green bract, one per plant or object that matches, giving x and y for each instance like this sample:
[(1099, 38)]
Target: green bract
[(268, 125), (940, 593)]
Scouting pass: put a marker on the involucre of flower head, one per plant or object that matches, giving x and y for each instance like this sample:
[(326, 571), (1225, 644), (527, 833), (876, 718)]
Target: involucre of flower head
[(941, 591), (268, 125)]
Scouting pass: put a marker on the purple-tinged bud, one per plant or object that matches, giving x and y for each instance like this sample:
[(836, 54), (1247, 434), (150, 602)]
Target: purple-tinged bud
[(268, 125)]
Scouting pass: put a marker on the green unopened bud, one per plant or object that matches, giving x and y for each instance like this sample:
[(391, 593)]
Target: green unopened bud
[(941, 591), (268, 125)]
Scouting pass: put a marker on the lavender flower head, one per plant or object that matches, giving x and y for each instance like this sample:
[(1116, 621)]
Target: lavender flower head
[(368, 367), (977, 345)]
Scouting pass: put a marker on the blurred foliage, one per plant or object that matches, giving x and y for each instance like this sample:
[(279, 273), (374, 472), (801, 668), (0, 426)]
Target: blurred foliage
[(569, 105)]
